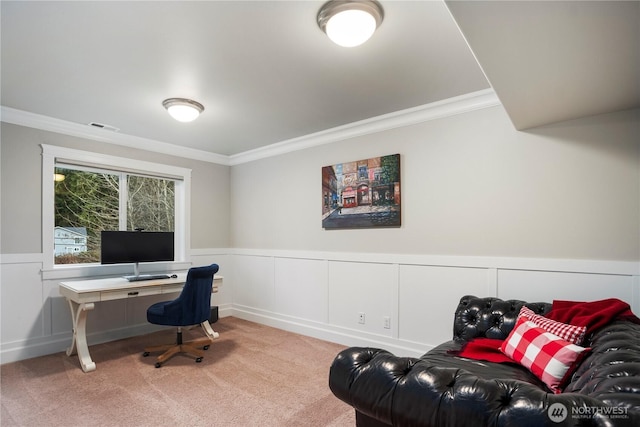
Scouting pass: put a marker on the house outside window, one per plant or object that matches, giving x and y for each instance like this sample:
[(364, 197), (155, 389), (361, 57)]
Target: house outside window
[(69, 240)]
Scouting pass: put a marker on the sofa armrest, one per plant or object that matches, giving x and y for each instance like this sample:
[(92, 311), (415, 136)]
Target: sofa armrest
[(402, 391), (366, 379)]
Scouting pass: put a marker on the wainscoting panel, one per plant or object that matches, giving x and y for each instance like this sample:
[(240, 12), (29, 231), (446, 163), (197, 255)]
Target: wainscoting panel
[(319, 294), (253, 282), (418, 294), (368, 288), (21, 301), (60, 313), (36, 320), (428, 297), (301, 288), (550, 285)]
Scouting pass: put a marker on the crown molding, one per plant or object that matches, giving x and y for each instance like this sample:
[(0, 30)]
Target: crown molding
[(436, 110), (38, 121), (423, 113)]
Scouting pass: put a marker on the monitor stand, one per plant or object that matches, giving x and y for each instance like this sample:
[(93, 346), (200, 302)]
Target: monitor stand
[(137, 277)]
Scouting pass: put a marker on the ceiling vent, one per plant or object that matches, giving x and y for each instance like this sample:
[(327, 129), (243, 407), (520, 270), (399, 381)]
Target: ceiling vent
[(103, 126)]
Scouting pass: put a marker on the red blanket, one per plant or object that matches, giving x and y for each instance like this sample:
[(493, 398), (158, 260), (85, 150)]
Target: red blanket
[(487, 349), (593, 315)]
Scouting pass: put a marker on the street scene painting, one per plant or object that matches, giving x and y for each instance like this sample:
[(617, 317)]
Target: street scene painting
[(362, 194)]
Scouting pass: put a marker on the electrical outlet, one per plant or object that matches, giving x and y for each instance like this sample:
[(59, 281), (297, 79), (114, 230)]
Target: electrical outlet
[(387, 322), (361, 318)]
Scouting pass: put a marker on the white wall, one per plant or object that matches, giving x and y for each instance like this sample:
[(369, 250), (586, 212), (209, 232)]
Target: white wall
[(21, 196), (471, 185), (34, 318), (552, 213), (549, 213)]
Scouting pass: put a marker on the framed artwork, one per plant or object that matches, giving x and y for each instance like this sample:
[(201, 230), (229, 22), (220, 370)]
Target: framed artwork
[(362, 194)]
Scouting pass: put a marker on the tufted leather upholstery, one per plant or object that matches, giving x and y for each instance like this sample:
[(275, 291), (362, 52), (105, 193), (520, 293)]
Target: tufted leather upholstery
[(489, 317), (439, 389)]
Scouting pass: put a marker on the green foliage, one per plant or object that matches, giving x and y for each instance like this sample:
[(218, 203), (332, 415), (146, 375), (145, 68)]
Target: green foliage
[(390, 168)]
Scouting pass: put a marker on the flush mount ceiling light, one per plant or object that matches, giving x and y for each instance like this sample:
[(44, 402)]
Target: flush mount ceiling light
[(350, 23), (182, 109)]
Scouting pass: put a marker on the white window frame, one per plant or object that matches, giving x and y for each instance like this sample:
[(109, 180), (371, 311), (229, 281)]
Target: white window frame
[(52, 154)]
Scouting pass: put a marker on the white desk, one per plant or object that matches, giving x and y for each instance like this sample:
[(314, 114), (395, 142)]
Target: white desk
[(83, 294)]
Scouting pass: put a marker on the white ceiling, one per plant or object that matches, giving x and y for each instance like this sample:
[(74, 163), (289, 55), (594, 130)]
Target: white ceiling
[(266, 73), (550, 61)]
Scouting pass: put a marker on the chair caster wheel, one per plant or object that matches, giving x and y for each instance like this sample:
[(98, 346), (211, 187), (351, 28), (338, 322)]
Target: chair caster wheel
[(199, 359), (206, 347), (158, 364), (145, 354)]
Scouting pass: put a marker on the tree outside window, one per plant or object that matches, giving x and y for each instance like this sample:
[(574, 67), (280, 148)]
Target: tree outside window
[(88, 201)]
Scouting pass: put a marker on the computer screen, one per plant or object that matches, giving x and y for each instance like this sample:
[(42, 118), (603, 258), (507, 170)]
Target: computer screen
[(119, 247)]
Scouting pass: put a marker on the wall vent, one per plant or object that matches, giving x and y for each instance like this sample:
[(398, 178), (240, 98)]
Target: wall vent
[(103, 126)]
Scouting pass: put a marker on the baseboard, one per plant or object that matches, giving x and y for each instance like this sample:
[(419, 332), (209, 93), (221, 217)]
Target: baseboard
[(225, 310), (15, 351), (28, 349), (330, 333)]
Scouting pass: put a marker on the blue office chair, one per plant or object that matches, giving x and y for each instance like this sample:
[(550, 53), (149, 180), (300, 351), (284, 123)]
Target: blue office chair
[(192, 307)]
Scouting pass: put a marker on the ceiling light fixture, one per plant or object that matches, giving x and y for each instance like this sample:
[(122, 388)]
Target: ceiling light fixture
[(182, 109), (350, 23)]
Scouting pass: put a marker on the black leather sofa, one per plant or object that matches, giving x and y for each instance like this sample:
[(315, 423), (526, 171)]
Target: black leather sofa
[(442, 389)]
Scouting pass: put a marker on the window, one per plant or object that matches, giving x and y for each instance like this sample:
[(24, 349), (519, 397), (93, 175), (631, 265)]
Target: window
[(88, 201), (85, 193)]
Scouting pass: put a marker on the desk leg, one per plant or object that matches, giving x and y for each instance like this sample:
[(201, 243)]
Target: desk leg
[(206, 326), (79, 340)]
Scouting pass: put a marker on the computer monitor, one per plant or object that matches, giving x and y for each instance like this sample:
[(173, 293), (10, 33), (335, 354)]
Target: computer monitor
[(121, 247)]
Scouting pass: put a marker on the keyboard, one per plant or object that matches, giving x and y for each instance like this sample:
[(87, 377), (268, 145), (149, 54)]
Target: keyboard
[(146, 277)]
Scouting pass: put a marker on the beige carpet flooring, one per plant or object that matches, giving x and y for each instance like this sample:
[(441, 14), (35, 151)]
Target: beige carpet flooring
[(253, 375)]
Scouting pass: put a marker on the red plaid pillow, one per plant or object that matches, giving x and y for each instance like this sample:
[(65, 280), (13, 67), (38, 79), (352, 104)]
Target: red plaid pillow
[(571, 333), (546, 355)]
